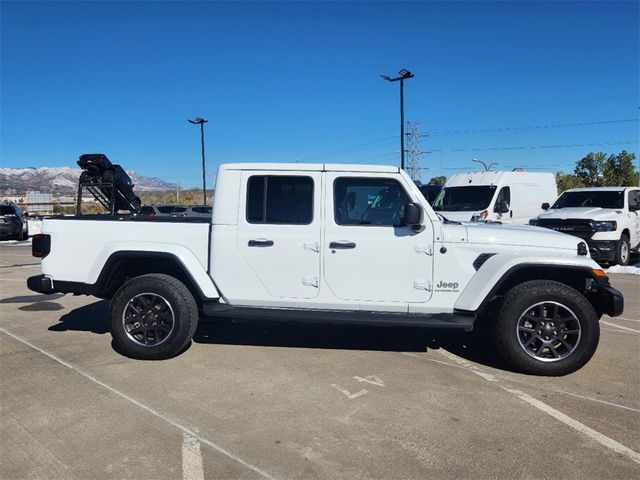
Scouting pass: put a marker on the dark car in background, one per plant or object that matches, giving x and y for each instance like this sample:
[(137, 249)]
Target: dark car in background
[(13, 224), (191, 211), (156, 210)]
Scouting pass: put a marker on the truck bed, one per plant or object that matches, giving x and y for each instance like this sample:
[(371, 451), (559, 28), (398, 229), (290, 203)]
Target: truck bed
[(88, 242)]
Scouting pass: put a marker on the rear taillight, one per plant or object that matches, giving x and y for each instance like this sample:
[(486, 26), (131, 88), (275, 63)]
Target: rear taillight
[(40, 245)]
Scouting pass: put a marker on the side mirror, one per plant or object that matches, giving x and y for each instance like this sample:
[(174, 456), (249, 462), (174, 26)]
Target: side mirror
[(412, 214), (545, 206), (501, 207)]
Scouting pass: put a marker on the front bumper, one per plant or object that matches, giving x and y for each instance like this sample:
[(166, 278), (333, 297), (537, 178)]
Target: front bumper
[(606, 299), (603, 249)]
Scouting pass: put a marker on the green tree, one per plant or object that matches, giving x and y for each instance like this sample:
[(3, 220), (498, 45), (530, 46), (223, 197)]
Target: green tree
[(438, 180), (590, 169), (618, 170), (566, 181)]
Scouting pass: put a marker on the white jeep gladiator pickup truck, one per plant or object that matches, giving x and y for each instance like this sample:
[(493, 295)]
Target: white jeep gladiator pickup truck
[(332, 243), (607, 218)]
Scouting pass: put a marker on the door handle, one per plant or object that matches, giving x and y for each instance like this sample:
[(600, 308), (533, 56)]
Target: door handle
[(260, 243), (342, 245)]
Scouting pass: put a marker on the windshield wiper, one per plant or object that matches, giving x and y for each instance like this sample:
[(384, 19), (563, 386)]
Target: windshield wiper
[(446, 220)]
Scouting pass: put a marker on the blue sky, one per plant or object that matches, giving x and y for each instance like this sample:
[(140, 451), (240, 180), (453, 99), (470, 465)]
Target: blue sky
[(300, 82)]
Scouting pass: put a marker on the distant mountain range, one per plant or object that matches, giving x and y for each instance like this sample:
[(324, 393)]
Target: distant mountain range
[(64, 180)]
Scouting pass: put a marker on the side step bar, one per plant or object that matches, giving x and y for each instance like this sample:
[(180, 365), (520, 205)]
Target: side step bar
[(457, 320)]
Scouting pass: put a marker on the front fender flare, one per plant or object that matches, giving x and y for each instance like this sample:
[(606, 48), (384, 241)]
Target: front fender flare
[(496, 270)]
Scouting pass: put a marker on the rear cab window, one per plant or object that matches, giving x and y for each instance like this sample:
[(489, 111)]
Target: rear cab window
[(7, 210)]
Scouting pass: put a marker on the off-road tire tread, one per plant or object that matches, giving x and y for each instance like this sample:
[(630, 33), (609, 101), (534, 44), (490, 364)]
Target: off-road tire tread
[(186, 318), (513, 305)]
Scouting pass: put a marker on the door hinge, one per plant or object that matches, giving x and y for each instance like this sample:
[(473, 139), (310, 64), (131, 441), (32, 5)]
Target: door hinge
[(426, 249), (310, 281), (313, 246), (422, 285)]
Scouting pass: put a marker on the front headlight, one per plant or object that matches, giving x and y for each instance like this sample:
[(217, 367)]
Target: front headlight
[(479, 217), (534, 221), (605, 226)]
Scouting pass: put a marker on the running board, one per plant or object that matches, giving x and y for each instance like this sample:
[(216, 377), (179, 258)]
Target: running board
[(458, 320)]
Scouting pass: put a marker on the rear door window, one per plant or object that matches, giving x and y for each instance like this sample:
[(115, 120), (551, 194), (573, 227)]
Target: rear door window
[(280, 200)]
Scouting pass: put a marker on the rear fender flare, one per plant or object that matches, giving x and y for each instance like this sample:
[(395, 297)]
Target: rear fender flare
[(183, 258)]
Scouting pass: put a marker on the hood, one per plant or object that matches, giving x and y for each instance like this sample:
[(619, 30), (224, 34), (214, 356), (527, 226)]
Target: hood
[(588, 213), (521, 236)]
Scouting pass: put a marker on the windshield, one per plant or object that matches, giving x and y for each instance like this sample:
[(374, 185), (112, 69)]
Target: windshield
[(590, 199), (464, 199)]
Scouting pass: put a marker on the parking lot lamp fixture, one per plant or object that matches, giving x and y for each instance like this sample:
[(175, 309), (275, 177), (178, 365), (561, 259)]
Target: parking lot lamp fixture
[(201, 122), (404, 75)]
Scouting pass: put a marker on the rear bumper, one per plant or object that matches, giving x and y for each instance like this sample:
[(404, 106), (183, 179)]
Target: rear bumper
[(44, 284), (40, 284)]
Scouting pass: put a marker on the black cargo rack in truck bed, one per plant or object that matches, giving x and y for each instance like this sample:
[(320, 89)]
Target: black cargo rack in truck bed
[(108, 183)]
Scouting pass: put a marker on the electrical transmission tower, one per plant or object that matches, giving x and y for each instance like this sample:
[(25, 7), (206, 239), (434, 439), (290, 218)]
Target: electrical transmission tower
[(413, 150)]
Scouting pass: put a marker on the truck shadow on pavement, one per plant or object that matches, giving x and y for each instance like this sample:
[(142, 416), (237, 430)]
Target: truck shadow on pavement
[(90, 318), (473, 347), (265, 333)]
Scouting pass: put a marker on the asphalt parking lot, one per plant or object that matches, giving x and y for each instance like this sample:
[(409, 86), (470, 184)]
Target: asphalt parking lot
[(269, 400)]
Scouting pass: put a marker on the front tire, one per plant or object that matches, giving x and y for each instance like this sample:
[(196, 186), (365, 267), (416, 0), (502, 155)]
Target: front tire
[(546, 328), (623, 251), (152, 317)]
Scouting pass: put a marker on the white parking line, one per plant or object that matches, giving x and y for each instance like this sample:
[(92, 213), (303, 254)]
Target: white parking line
[(535, 385), (191, 458), (626, 319), (626, 329), (567, 420), (576, 425), (148, 409), (618, 331)]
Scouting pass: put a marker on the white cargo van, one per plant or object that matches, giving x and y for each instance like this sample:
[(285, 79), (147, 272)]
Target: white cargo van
[(507, 197)]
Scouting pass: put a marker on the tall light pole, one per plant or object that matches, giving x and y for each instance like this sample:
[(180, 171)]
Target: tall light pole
[(201, 122), (404, 75)]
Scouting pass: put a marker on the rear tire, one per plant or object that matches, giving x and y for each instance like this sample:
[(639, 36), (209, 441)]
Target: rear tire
[(623, 251), (152, 317), (546, 328)]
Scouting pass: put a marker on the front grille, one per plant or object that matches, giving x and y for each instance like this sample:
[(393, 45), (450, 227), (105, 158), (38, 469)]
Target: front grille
[(577, 226)]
